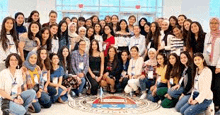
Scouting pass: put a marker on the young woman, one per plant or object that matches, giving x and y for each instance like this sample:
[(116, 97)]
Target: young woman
[(211, 54), (102, 23), (67, 19), (95, 19), (8, 40), (142, 22), (34, 81), (134, 71), (46, 40), (112, 70), (108, 19), (96, 66), (115, 23), (11, 80), (131, 21), (202, 95), (181, 19), (124, 68), (88, 23), (19, 22), (161, 82), (65, 60), (148, 76), (154, 36), (147, 29), (122, 36), (33, 17), (186, 29), (82, 36), (52, 19), (170, 94), (81, 22), (196, 37), (173, 22), (72, 34), (90, 33), (63, 34), (30, 42), (108, 38), (74, 19), (56, 77), (186, 79), (55, 41), (98, 35)]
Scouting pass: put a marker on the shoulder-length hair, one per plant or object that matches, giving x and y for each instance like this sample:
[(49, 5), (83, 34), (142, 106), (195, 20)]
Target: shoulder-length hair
[(13, 33), (105, 35), (100, 31), (154, 35), (119, 27), (46, 61), (30, 34), (68, 58), (16, 15), (173, 71), (115, 61), (92, 37), (60, 33), (91, 50), (164, 58), (30, 16), (7, 64), (49, 40)]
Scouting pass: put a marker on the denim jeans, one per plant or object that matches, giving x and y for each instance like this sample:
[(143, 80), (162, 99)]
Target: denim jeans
[(188, 109), (155, 98), (55, 97), (27, 97), (182, 102), (36, 107), (44, 100), (175, 93), (146, 83), (81, 86)]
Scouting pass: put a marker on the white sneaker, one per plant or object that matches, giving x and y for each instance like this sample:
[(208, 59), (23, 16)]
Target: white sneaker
[(80, 94), (69, 97), (143, 96)]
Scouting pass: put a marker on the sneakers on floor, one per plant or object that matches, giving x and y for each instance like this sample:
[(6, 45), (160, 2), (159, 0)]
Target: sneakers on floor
[(143, 96)]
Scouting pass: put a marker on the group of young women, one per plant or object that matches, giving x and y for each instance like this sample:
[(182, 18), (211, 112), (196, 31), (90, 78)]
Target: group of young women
[(173, 60)]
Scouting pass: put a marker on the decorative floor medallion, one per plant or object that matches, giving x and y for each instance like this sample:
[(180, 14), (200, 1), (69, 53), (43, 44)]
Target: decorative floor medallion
[(126, 106)]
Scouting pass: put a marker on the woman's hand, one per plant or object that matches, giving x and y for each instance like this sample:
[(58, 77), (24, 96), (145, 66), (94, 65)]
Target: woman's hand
[(190, 100), (194, 102), (39, 94), (181, 96), (45, 89), (217, 70), (176, 87)]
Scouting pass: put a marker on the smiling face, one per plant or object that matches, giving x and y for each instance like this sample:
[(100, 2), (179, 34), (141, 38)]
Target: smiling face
[(107, 30), (94, 46), (90, 32), (146, 28), (55, 60), (65, 52), (34, 28), (9, 25), (187, 25), (160, 60), (20, 19), (102, 23), (124, 56), (63, 27), (53, 18), (68, 20), (114, 20), (131, 20), (172, 22), (123, 25), (95, 20), (137, 30), (97, 28), (134, 53), (195, 28), (177, 32), (82, 32), (33, 59), (151, 55), (198, 61), (172, 60), (181, 19), (183, 59), (43, 54), (153, 27), (45, 35), (214, 25), (54, 29), (88, 23), (13, 62), (111, 52), (35, 17), (165, 26), (73, 28), (143, 22), (82, 45)]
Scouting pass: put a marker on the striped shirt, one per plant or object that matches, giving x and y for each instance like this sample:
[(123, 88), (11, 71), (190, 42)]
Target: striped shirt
[(177, 45)]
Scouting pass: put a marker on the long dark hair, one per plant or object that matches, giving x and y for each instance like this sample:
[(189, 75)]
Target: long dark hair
[(30, 34), (7, 64), (173, 17), (55, 35), (60, 33), (115, 61), (68, 59), (119, 27), (173, 71), (93, 16), (16, 15), (104, 36), (30, 16), (91, 50), (46, 61), (142, 27), (185, 32), (49, 40), (164, 58), (154, 35), (13, 33), (92, 37), (51, 56), (100, 31), (191, 36)]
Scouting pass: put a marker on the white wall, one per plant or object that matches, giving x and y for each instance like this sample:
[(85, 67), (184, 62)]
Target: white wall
[(26, 6)]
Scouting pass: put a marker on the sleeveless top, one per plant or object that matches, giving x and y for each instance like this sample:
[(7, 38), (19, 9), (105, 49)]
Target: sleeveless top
[(95, 64)]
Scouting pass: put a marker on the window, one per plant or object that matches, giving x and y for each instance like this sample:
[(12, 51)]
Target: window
[(3, 9), (214, 8), (123, 8)]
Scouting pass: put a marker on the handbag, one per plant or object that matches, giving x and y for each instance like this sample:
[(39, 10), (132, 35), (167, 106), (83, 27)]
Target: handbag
[(70, 82)]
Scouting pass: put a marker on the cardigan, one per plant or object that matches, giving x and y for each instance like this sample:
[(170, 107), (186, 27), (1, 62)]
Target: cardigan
[(137, 66)]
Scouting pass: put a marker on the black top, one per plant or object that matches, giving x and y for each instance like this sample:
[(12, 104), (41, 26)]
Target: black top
[(187, 84), (95, 64), (198, 45)]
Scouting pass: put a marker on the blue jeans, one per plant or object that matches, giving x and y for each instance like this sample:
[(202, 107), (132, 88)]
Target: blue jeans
[(182, 102), (36, 107), (27, 97), (155, 98), (188, 109), (44, 100), (55, 97), (81, 86), (146, 83), (175, 93)]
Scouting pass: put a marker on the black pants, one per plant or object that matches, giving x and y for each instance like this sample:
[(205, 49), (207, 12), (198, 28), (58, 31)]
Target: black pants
[(215, 86), (93, 84)]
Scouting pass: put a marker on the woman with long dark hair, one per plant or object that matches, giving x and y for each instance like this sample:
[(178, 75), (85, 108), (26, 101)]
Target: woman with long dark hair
[(8, 40), (46, 39), (173, 22), (98, 35), (19, 23), (33, 17), (62, 34), (114, 23), (55, 40), (90, 33), (142, 22), (108, 38)]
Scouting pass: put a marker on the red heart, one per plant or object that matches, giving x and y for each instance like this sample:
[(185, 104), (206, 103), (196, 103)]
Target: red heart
[(138, 6), (80, 5)]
